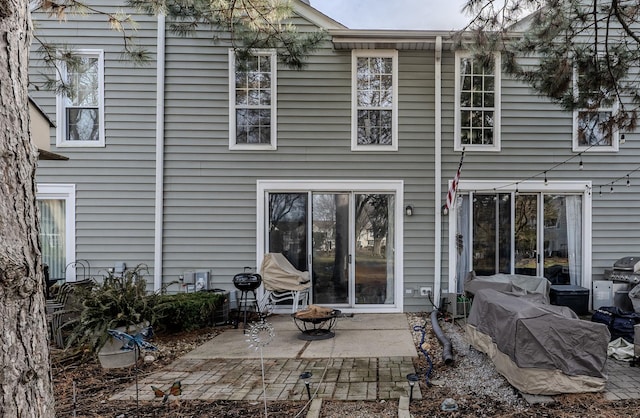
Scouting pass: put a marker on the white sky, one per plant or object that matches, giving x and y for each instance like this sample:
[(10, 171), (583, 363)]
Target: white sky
[(395, 14)]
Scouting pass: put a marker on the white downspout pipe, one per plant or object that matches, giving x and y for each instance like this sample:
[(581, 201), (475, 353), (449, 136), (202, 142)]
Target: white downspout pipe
[(159, 193), (437, 264)]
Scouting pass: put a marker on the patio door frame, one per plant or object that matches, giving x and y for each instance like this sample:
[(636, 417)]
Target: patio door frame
[(66, 192), (395, 187), (552, 187)]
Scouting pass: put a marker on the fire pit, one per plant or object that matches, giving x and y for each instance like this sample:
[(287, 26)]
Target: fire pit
[(315, 322)]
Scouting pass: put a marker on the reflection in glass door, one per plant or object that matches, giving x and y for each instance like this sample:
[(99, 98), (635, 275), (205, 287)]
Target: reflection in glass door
[(374, 249), (527, 256), (533, 234), (288, 227), (53, 236), (330, 257), (345, 239), (562, 238), (491, 233)]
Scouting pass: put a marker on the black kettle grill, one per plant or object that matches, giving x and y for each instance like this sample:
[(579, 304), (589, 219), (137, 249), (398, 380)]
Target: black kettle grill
[(246, 282)]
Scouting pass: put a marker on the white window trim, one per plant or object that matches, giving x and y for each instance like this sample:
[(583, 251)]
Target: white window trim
[(384, 53), (61, 128), (66, 192), (232, 104), (582, 187), (393, 186), (615, 139), (497, 112)]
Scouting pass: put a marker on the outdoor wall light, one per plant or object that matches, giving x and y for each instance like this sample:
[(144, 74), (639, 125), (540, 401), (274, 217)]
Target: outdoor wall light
[(305, 376), (408, 210), (412, 378)]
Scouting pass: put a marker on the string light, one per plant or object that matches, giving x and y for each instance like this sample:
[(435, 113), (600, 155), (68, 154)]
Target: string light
[(622, 140), (580, 167)]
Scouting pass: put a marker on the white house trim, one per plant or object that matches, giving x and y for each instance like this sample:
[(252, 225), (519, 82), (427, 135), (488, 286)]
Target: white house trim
[(66, 192)]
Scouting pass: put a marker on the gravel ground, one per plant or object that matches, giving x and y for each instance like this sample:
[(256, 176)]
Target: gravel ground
[(472, 373)]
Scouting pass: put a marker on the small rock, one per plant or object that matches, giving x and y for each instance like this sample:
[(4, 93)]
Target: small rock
[(449, 405), (149, 359)]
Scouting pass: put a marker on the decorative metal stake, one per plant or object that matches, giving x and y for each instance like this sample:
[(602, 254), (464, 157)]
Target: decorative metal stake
[(260, 335)]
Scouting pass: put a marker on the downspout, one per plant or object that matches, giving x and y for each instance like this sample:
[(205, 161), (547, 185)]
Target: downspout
[(437, 264), (159, 195)]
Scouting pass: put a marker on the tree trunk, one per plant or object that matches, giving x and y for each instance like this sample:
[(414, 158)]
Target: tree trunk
[(25, 375)]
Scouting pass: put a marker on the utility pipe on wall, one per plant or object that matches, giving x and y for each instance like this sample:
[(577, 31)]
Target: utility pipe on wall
[(437, 264), (159, 192)]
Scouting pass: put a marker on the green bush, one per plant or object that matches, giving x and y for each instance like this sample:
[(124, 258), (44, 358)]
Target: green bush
[(187, 311), (116, 302)]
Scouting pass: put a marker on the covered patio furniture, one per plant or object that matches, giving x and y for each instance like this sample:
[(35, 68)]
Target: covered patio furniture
[(282, 282), (539, 348)]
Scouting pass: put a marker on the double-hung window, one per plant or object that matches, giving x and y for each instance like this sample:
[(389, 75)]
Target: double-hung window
[(477, 106), (591, 130), (374, 100), (80, 106), (252, 100)]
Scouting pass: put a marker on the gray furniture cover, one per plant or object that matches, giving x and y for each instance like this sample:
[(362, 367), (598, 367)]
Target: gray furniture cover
[(514, 283), (539, 348)]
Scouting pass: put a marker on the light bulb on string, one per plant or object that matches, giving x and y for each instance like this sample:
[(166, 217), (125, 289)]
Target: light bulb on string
[(600, 191), (611, 190), (517, 192), (628, 181), (580, 165), (546, 182)]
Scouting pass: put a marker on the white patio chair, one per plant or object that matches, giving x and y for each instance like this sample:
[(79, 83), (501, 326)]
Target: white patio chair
[(283, 282)]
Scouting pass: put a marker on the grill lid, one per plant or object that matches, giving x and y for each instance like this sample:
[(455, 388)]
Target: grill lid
[(631, 264), (247, 281)]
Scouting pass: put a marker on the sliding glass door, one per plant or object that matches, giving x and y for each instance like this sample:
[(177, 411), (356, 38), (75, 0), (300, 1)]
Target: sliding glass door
[(534, 234), (346, 239)]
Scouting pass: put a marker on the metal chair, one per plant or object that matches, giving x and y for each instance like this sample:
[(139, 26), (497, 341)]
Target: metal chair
[(283, 282)]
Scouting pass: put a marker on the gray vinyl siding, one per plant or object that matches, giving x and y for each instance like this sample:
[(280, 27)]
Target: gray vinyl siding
[(210, 219), (536, 136), (210, 191), (115, 185)]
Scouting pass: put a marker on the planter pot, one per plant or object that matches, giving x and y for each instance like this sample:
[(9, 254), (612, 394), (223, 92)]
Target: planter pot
[(111, 356)]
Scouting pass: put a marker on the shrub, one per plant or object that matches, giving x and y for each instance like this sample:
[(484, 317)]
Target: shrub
[(116, 302), (187, 311)]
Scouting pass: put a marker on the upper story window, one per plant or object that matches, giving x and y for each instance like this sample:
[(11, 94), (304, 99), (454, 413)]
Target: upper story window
[(374, 100), (252, 101), (477, 106), (80, 108), (591, 130)]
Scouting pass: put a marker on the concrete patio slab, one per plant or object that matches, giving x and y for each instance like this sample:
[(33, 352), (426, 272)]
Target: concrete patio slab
[(234, 344), (373, 321), (363, 343)]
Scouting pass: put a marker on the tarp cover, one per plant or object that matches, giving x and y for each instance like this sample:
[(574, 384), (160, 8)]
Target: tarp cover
[(534, 336), (278, 275), (513, 283)]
